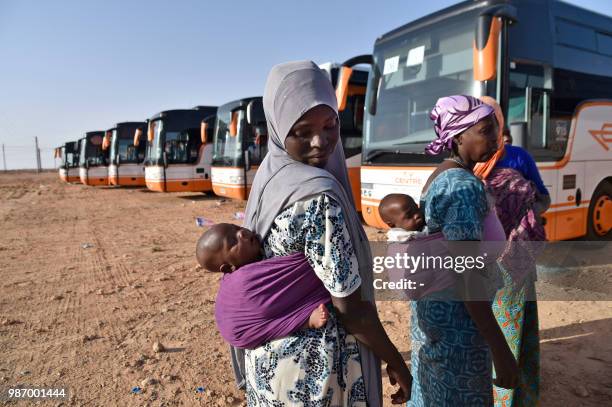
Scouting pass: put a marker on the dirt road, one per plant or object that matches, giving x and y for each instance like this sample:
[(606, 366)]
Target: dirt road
[(92, 278)]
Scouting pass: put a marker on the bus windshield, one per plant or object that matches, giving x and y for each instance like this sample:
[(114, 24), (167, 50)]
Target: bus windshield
[(233, 134), (416, 69), (154, 149), (123, 147), (91, 151), (227, 149), (69, 157), (180, 145), (71, 160)]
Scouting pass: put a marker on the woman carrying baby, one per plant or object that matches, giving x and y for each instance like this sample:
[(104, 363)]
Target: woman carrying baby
[(453, 342), (301, 202)]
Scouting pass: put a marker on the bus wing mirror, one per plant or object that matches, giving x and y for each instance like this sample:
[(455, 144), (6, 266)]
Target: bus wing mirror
[(203, 131), (137, 136), (255, 113), (344, 77), (151, 131), (106, 140), (485, 48), (233, 125), (519, 133), (486, 41), (342, 87)]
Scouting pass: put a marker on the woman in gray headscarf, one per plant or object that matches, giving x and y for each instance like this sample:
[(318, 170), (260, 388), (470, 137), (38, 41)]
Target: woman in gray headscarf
[(301, 201)]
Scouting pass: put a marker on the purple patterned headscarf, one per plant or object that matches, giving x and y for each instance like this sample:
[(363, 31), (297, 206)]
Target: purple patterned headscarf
[(452, 115)]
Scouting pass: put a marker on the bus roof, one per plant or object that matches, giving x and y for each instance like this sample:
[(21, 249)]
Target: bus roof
[(93, 133), (440, 15), (208, 109), (551, 32), (171, 112), (239, 102), (130, 124), (183, 117)]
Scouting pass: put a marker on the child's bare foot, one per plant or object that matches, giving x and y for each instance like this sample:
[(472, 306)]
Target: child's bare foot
[(319, 317)]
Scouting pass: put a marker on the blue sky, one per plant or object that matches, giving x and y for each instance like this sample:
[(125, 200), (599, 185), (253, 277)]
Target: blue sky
[(68, 66)]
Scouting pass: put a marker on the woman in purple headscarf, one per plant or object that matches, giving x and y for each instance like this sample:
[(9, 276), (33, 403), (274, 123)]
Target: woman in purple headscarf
[(453, 341)]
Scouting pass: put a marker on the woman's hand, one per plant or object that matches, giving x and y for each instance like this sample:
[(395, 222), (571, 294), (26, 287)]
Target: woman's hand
[(506, 369), (361, 319), (402, 377)]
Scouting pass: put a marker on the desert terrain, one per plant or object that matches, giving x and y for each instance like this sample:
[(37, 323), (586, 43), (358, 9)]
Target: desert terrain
[(100, 293)]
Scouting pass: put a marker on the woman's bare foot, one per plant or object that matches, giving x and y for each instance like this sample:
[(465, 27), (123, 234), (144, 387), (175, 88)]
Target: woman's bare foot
[(319, 317)]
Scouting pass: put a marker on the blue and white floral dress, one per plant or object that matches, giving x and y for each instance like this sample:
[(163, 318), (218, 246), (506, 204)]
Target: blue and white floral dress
[(312, 367)]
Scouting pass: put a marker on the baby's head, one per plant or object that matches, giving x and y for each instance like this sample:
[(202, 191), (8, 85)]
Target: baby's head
[(226, 247), (400, 211)]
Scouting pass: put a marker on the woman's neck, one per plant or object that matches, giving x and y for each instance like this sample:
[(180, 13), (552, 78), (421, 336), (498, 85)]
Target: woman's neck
[(463, 162)]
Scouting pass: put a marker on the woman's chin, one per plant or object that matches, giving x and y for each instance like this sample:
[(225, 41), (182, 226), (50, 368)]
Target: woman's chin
[(318, 162)]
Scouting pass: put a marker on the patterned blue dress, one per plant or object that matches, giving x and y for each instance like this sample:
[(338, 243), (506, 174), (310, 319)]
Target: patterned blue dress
[(312, 367), (450, 360)]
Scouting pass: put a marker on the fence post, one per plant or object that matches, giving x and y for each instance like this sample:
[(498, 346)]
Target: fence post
[(37, 155)]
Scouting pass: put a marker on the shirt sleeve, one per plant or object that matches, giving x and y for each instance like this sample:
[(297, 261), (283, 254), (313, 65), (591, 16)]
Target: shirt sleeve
[(531, 171), (457, 207), (328, 247)]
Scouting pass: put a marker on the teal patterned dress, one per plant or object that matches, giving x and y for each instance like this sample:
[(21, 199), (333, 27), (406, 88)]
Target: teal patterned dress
[(312, 367), (450, 360)]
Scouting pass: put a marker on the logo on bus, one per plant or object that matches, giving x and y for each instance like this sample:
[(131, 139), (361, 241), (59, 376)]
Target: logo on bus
[(603, 136)]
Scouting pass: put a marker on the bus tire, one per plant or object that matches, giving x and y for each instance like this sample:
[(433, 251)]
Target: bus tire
[(600, 212)]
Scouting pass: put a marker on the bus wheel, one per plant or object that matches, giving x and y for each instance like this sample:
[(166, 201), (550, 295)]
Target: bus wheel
[(600, 213)]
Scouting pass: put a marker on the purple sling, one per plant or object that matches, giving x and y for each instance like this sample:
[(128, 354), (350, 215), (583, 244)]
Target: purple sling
[(267, 300)]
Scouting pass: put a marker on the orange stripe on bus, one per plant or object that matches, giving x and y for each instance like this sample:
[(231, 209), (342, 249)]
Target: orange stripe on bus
[(194, 185), (95, 181), (128, 181), (564, 204), (234, 192)]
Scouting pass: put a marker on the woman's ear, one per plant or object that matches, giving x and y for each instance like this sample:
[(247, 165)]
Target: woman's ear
[(455, 145)]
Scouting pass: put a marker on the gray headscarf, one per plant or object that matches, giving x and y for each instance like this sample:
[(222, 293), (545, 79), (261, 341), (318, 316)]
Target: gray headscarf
[(292, 89)]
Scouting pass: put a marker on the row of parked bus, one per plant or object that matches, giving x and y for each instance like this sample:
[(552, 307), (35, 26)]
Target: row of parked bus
[(548, 63), (204, 149)]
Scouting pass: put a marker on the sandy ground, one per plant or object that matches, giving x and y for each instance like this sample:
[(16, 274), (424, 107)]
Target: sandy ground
[(92, 278)]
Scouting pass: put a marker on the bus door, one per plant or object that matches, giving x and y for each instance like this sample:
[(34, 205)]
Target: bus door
[(548, 141)]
